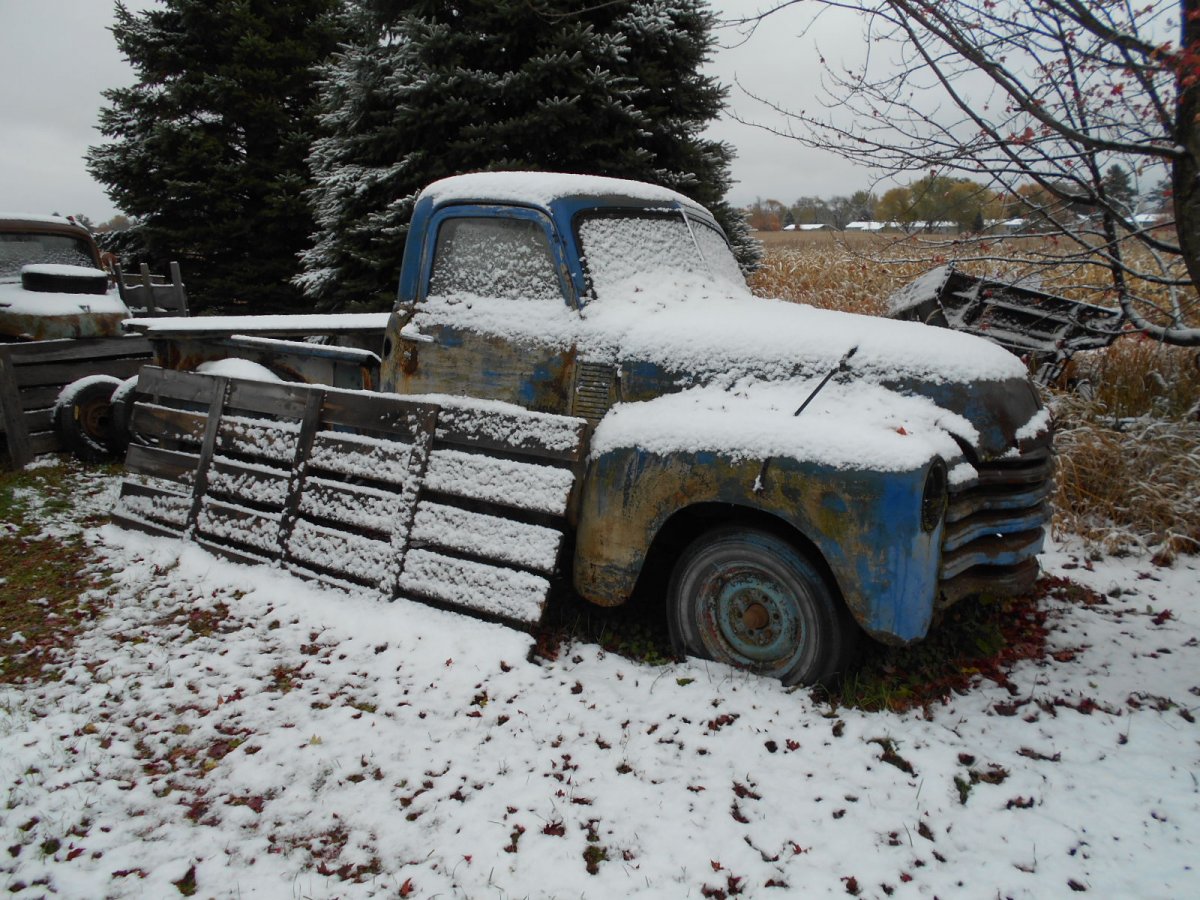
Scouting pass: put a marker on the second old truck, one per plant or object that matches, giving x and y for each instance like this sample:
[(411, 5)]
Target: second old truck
[(783, 478)]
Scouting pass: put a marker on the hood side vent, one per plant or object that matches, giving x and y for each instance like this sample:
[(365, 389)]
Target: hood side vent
[(595, 390)]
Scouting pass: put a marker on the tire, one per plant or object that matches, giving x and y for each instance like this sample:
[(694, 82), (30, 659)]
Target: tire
[(83, 418), (122, 411), (748, 598)]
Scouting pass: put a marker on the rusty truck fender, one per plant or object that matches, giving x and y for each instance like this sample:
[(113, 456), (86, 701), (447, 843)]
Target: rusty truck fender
[(865, 526)]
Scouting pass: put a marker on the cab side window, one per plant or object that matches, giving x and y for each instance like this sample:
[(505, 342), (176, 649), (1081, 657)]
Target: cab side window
[(506, 258)]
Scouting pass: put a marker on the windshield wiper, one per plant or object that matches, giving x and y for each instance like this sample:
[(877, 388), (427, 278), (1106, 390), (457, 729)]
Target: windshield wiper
[(687, 223)]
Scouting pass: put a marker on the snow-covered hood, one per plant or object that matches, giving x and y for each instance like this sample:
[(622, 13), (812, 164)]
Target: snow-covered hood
[(710, 334), (726, 371), (31, 308)]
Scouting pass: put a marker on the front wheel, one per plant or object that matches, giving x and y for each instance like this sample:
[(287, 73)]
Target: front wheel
[(751, 599), (83, 417)]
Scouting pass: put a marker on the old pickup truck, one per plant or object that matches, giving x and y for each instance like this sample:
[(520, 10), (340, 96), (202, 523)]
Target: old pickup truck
[(803, 476), (62, 348)]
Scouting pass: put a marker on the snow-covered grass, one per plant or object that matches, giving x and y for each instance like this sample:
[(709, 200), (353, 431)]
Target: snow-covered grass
[(228, 731)]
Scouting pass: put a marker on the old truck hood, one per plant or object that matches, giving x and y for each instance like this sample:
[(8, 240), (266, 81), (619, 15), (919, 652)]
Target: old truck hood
[(735, 358), (904, 378)]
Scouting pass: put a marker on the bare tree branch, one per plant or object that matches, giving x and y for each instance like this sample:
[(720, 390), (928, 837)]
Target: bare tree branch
[(1071, 90)]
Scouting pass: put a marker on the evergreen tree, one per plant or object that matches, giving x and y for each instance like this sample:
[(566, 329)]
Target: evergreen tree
[(1118, 188), (444, 88), (208, 147)]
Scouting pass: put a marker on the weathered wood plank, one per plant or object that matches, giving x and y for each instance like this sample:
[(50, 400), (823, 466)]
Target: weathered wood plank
[(358, 456), (85, 349), (235, 554), (154, 504), (361, 558), (62, 374), (270, 439), (504, 593), (400, 418), (144, 525), (172, 465), (150, 421), (529, 433), (260, 485), (168, 384), (297, 479), (501, 481), (350, 504), (224, 523), (16, 438), (533, 547), (207, 448), (284, 399), (41, 396), (39, 420), (44, 442)]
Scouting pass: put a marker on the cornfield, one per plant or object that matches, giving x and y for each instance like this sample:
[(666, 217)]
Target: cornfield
[(1127, 418)]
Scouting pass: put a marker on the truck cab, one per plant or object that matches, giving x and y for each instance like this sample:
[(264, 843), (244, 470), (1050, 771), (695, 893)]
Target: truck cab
[(52, 282), (804, 475)]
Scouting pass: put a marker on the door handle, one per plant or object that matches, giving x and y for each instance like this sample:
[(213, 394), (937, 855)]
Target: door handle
[(410, 332)]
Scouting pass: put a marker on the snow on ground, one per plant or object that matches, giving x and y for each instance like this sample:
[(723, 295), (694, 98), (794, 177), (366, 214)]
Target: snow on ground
[(236, 732)]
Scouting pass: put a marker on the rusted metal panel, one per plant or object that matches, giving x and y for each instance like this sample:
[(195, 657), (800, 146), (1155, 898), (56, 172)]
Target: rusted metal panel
[(460, 362), (294, 361), (83, 324), (865, 526), (1043, 327)]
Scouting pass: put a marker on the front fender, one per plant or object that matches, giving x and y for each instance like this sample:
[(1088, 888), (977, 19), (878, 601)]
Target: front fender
[(865, 525)]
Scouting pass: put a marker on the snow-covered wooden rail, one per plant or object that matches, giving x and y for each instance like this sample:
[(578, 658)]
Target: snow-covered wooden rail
[(461, 503)]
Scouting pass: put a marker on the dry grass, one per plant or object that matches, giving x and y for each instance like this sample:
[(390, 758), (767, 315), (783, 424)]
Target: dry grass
[(1128, 440), (830, 271), (1127, 483), (1128, 427)]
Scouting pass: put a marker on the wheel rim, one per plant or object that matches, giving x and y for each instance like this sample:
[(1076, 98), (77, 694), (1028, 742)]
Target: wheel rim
[(750, 616), (95, 418)]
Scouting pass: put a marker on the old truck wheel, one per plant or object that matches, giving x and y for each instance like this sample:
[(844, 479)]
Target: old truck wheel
[(122, 414), (748, 598), (83, 417)]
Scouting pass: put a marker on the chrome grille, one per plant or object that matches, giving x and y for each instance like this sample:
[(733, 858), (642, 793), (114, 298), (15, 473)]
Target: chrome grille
[(995, 525)]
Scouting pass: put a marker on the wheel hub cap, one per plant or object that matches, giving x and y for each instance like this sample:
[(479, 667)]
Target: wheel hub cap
[(755, 616)]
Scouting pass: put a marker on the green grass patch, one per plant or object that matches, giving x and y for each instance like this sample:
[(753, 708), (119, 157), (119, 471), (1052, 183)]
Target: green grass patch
[(977, 638), (636, 631), (49, 585)]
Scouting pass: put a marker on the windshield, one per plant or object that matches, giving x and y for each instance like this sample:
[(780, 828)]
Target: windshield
[(646, 250), (22, 248)]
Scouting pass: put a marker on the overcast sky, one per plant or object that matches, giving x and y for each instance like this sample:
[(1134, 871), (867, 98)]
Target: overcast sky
[(56, 56)]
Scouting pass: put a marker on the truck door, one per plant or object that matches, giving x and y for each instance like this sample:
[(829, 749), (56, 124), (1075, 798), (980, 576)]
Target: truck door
[(493, 313)]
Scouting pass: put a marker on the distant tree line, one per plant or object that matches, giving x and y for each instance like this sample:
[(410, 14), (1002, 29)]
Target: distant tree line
[(941, 202)]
